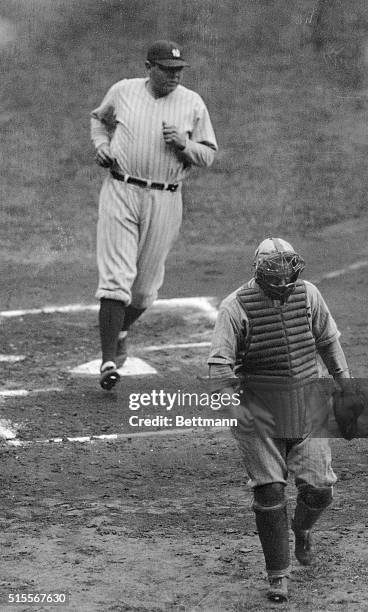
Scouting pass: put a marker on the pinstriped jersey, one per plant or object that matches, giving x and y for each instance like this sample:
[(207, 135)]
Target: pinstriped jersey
[(137, 141)]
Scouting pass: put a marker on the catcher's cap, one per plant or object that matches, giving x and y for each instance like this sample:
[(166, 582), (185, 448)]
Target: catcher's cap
[(277, 268), (272, 245), (166, 53)]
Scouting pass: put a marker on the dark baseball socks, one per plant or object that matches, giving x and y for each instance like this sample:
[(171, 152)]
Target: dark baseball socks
[(111, 321), (131, 315), (115, 319)]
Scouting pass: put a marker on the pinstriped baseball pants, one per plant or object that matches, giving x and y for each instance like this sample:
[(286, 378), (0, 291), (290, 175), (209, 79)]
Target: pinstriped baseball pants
[(135, 231)]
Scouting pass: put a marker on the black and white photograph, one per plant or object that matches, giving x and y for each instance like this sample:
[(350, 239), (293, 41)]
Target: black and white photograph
[(183, 312)]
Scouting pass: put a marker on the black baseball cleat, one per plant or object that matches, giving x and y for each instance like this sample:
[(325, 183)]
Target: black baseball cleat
[(109, 375), (278, 589)]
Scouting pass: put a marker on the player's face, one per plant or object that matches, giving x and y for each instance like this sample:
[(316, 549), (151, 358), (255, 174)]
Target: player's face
[(164, 80)]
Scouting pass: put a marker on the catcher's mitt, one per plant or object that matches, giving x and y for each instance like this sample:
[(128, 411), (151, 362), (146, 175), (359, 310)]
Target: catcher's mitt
[(347, 406)]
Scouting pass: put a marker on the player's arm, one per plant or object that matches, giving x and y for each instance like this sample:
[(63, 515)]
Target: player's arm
[(199, 153), (334, 359), (194, 153), (224, 348), (327, 336), (197, 148), (102, 125)]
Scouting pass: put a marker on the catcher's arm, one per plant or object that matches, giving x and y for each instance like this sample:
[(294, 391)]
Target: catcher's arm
[(222, 379), (334, 359)]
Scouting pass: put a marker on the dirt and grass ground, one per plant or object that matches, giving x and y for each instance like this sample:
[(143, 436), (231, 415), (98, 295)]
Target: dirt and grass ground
[(164, 522), (160, 522)]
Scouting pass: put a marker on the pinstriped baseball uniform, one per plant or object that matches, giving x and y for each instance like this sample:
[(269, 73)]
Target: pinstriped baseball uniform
[(137, 226)]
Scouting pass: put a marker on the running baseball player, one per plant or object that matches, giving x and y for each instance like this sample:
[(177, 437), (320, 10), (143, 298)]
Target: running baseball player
[(149, 132), (266, 340)]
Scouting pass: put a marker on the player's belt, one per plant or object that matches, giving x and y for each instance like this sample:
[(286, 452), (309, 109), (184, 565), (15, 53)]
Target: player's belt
[(133, 180)]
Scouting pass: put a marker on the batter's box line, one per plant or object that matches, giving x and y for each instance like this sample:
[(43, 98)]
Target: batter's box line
[(203, 304), (26, 392), (15, 442)]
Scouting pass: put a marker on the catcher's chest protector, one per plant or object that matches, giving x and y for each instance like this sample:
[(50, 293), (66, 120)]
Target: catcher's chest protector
[(280, 341)]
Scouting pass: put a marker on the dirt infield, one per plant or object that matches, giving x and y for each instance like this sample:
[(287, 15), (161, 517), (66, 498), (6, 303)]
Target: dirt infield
[(166, 524), (161, 522)]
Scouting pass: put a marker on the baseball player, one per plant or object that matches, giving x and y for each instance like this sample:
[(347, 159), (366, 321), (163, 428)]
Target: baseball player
[(149, 132), (266, 340)]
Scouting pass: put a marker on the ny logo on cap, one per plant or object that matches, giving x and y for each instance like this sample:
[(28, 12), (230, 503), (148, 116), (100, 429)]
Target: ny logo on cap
[(175, 52)]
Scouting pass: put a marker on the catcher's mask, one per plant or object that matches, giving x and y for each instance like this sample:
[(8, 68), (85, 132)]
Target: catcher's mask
[(277, 268)]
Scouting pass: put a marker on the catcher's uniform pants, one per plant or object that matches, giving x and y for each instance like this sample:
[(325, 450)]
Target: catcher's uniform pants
[(135, 231), (268, 459)]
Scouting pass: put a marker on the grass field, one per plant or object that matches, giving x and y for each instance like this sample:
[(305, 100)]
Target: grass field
[(285, 83)]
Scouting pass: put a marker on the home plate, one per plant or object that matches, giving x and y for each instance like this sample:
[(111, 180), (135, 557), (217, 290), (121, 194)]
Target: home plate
[(132, 367)]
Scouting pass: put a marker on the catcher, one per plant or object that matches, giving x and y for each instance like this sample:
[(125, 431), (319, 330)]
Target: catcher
[(266, 342)]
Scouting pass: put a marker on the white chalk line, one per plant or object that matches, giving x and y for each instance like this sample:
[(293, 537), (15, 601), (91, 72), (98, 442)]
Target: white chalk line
[(182, 345), (11, 358), (111, 437), (357, 265), (26, 392), (201, 303), (49, 310)]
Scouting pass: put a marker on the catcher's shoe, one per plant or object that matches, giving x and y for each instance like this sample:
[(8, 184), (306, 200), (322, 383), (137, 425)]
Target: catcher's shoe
[(278, 589), (109, 375), (304, 549), (121, 351)]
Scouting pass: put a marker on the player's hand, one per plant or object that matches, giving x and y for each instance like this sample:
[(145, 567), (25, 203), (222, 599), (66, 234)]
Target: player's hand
[(103, 156), (172, 136)]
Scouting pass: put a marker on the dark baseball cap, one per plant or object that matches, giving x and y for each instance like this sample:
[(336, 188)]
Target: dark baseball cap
[(166, 53)]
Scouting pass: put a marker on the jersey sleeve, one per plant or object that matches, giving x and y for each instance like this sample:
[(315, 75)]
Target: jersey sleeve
[(229, 329), (201, 145), (334, 358), (324, 327), (103, 119), (203, 131)]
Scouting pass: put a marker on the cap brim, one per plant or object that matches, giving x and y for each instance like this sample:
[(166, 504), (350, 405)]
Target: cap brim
[(171, 63)]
